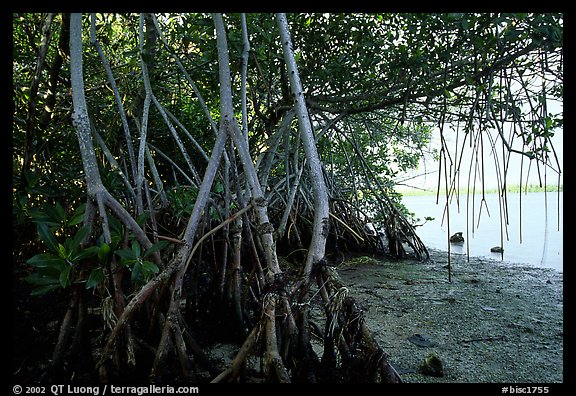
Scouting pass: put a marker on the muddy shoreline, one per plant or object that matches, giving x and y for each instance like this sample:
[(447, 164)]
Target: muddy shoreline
[(494, 322)]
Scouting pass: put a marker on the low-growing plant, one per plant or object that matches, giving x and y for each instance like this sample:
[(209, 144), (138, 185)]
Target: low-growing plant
[(59, 267), (135, 259)]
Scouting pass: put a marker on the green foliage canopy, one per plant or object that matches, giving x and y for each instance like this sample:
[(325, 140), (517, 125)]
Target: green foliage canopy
[(375, 84)]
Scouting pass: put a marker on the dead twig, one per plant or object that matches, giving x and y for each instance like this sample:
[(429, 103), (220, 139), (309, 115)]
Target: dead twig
[(489, 338)]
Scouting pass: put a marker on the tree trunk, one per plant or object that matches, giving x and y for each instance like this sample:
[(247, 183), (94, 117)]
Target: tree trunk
[(282, 327), (321, 208)]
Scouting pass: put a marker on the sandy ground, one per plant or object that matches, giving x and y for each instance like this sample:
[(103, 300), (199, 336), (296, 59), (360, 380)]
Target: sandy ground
[(493, 322)]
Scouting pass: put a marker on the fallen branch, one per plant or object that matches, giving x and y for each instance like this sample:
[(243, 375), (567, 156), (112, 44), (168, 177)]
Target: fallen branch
[(496, 338)]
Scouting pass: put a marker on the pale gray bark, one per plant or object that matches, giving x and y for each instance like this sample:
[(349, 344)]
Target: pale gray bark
[(96, 189), (112, 81), (321, 207), (245, 53), (236, 287), (188, 134), (201, 101), (266, 160), (227, 113), (171, 162), (80, 118), (290, 202), (156, 177), (205, 187), (81, 122), (184, 255), (273, 365), (144, 125), (115, 167), (179, 263), (178, 141)]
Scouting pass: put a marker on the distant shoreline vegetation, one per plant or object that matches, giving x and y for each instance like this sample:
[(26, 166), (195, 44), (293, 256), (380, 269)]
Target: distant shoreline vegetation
[(406, 191)]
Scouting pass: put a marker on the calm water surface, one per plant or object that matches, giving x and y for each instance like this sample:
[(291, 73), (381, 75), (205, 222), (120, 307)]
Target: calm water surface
[(534, 234)]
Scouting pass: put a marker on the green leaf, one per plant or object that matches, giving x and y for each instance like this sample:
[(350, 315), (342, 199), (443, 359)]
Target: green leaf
[(65, 276), (78, 215), (95, 278), (85, 253), (39, 216), (44, 278), (104, 252), (46, 260), (60, 213), (214, 213), (46, 236), (136, 250), (76, 219), (62, 251), (80, 236), (150, 267), (126, 254), (136, 271), (156, 247), (218, 187), (56, 214), (39, 291), (142, 218)]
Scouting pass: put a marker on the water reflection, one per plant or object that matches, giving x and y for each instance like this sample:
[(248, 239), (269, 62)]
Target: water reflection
[(534, 234)]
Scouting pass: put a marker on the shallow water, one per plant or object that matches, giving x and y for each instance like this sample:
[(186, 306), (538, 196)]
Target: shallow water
[(534, 234)]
